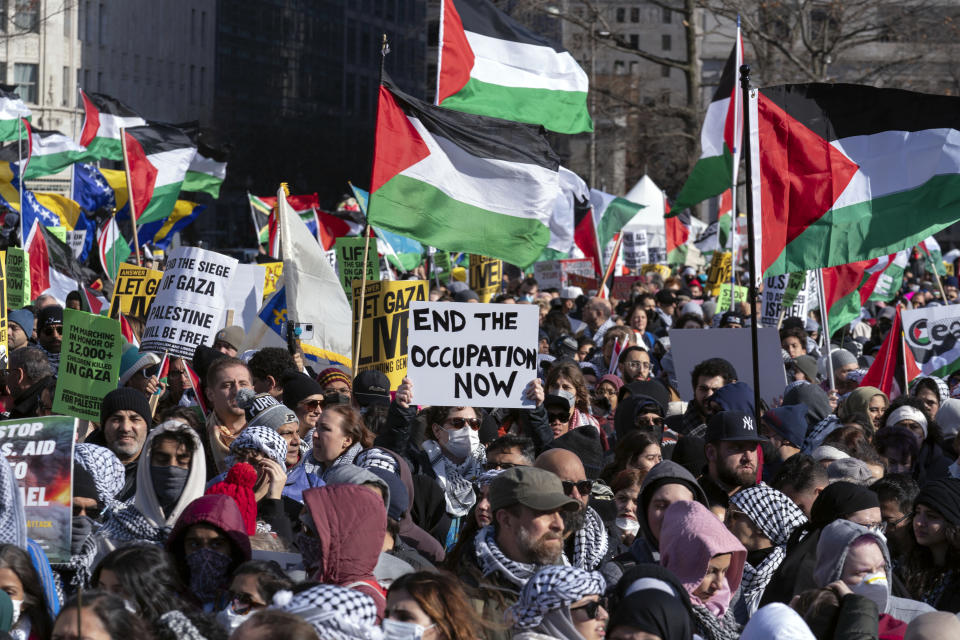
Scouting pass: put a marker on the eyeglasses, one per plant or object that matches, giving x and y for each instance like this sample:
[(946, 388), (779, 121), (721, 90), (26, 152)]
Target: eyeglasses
[(498, 466), (460, 423), (878, 527), (591, 608), (53, 329), (636, 364), (553, 416), (584, 487), (894, 523)]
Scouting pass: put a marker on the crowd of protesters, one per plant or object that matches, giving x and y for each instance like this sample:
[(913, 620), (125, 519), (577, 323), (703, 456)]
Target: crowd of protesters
[(311, 503)]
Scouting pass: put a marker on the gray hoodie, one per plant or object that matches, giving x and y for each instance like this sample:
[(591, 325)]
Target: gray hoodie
[(832, 549)]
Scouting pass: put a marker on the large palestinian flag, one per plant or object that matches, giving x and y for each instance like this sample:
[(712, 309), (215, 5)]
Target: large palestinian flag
[(848, 287), (462, 182), (491, 65), (850, 172), (103, 117), (719, 138), (157, 157)]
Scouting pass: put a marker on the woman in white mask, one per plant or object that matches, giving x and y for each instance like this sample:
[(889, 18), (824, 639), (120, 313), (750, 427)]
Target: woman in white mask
[(21, 582), (429, 606), (251, 589)]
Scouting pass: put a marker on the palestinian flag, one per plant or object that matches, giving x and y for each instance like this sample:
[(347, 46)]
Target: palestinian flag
[(92, 302), (208, 169), (931, 251), (194, 381), (678, 233), (127, 331), (114, 249), (103, 117), (52, 152), (12, 111), (894, 366), (890, 281), (720, 138), (462, 182), (157, 157), (402, 252), (53, 269), (850, 172), (490, 65), (610, 214), (848, 287), (716, 237), (159, 233), (15, 155)]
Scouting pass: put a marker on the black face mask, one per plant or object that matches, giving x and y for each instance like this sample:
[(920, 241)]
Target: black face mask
[(757, 556), (168, 483)]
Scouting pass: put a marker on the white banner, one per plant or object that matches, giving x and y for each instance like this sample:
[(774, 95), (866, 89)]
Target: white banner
[(789, 294), (635, 249)]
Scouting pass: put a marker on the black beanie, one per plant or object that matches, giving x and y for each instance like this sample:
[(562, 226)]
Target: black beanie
[(125, 398), (297, 386), (83, 484), (585, 442), (839, 500), (942, 496)]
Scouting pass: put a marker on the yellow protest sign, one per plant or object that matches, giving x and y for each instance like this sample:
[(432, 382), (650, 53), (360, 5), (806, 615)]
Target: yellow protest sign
[(134, 290), (662, 269), (486, 276), (383, 335), (719, 272), (274, 271)]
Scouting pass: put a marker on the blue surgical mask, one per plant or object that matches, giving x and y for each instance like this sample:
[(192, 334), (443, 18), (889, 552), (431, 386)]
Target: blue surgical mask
[(397, 630)]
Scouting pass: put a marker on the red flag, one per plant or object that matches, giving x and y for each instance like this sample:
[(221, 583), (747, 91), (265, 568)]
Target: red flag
[(585, 236), (894, 366)]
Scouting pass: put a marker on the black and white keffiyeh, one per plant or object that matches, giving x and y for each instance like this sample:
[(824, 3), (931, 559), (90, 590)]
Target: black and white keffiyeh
[(487, 477), (377, 458), (456, 479), (181, 625), (713, 628), (13, 521), (492, 560), (776, 516), (818, 433), (337, 613), (553, 587), (590, 542), (262, 439), (105, 468), (126, 524), (347, 457)]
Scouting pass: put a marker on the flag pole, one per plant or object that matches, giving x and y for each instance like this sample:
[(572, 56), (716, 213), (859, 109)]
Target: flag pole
[(903, 347), (23, 238), (384, 50), (936, 276), (130, 196), (610, 267), (253, 217), (751, 242), (738, 111), (825, 321)]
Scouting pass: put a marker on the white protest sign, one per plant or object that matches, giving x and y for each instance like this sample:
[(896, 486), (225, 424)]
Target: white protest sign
[(76, 240), (933, 334), (245, 293), (463, 354), (190, 303), (634, 249), (787, 293), (692, 346)]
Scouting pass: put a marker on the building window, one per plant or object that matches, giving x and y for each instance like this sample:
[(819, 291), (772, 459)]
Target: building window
[(3, 13), (621, 14), (619, 67), (634, 67), (193, 26), (203, 80), (102, 26), (634, 41), (65, 89), (67, 20), (193, 80), (667, 16), (664, 71), (665, 42), (203, 29), (26, 15), (25, 77), (634, 14)]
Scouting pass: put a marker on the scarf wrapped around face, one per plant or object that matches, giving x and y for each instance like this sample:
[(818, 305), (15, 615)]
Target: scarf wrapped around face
[(456, 479)]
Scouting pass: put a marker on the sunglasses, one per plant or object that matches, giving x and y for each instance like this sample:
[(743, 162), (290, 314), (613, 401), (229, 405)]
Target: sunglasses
[(497, 466), (553, 416), (584, 487), (90, 512), (311, 405), (242, 603), (150, 372), (50, 330), (460, 423), (591, 608)]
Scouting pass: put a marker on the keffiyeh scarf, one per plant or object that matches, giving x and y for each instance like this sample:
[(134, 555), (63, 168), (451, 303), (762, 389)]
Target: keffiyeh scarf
[(181, 625), (492, 560), (102, 464), (551, 588), (776, 516), (13, 522), (818, 433), (262, 439), (377, 458), (456, 479), (336, 613), (591, 542), (127, 524), (347, 457), (713, 628)]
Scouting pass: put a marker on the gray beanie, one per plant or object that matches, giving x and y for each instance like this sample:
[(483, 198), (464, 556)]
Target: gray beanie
[(264, 410), (352, 474), (850, 470)]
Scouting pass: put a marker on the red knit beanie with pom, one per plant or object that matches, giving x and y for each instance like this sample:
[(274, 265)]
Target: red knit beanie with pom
[(239, 485)]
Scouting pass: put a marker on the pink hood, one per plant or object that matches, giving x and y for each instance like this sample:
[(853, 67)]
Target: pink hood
[(689, 537)]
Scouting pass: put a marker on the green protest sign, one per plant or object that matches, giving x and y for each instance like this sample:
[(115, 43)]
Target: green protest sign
[(350, 262), (723, 297), (18, 278), (89, 364)]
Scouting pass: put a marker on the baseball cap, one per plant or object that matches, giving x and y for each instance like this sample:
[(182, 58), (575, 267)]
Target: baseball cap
[(232, 335), (733, 426), (537, 489), (666, 296), (371, 387), (731, 317)]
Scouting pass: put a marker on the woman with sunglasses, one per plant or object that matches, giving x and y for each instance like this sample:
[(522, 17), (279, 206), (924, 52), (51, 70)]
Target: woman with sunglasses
[(140, 371), (251, 589), (561, 603)]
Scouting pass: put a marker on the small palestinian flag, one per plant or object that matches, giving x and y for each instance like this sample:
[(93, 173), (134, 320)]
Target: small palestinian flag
[(890, 281), (114, 249), (611, 213), (934, 256), (678, 234), (53, 269), (52, 152), (12, 110), (719, 138), (92, 301), (849, 172), (103, 117), (490, 65), (157, 157), (127, 331), (894, 366), (462, 182), (194, 381), (848, 287), (208, 169)]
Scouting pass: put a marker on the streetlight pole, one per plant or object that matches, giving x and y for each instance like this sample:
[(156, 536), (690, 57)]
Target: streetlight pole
[(592, 89)]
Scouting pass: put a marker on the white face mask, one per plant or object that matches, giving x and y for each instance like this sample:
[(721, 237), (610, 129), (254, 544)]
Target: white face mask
[(462, 442), (17, 606), (627, 525), (397, 630), (874, 587), (230, 620)]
